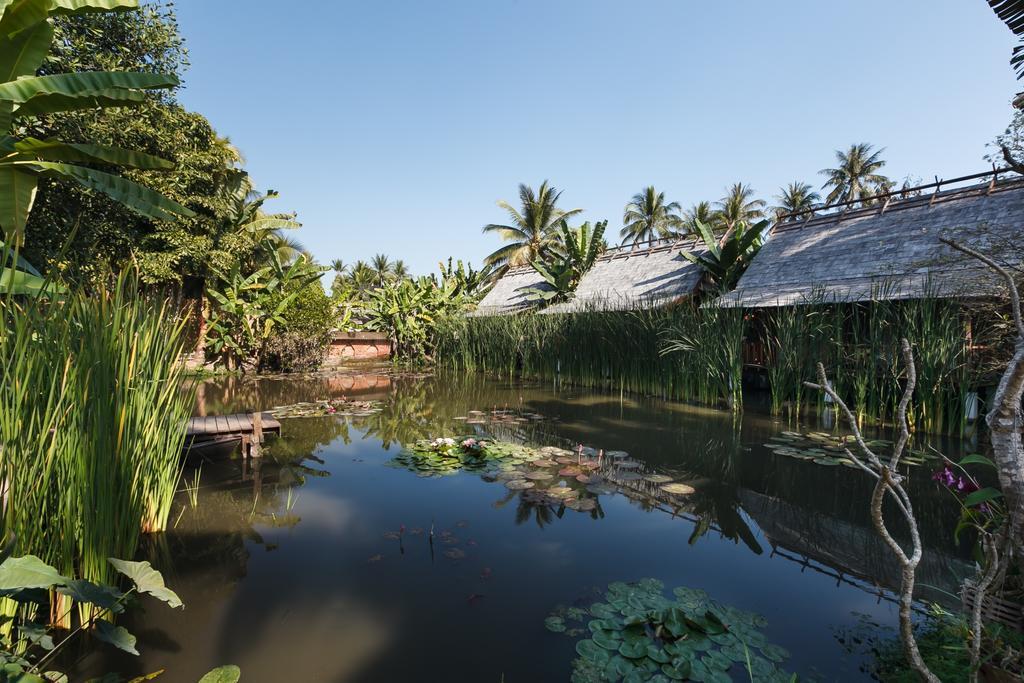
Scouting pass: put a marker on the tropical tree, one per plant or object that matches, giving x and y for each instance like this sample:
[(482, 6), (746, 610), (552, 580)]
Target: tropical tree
[(246, 307), (26, 37), (381, 266), (1011, 12), (701, 212), (399, 270), (796, 197), (467, 281), (533, 228), (567, 263), (855, 176), (246, 231), (648, 217), (338, 266), (738, 206), (725, 259)]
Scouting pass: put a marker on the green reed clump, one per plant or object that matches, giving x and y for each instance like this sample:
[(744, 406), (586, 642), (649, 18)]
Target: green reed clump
[(92, 423), (681, 352), (857, 343)]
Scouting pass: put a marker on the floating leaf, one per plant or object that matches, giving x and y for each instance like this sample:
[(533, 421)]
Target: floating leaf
[(678, 489), (555, 624), (633, 650), (519, 484), (658, 478)]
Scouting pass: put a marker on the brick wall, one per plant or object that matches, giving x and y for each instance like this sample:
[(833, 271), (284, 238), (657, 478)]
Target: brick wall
[(357, 346)]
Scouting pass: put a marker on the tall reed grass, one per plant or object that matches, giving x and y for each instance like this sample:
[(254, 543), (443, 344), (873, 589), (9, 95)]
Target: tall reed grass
[(680, 352), (92, 423), (683, 352)]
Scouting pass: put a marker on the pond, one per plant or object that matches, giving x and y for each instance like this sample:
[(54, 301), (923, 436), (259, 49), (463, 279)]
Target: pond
[(318, 564)]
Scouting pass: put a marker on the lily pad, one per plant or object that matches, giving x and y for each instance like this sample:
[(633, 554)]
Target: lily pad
[(539, 476), (658, 478), (679, 489), (519, 484), (633, 650)]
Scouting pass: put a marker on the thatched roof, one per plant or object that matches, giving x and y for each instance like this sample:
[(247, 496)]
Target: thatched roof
[(623, 278), (888, 251)]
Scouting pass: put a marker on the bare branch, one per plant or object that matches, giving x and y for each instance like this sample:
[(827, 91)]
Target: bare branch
[(901, 411), (1011, 285)]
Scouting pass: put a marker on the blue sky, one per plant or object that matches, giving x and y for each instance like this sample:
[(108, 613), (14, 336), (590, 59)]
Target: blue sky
[(395, 126)]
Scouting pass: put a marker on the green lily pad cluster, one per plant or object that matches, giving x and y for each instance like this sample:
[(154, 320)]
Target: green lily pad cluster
[(479, 417), (448, 456), (639, 634), (325, 408), (826, 449)]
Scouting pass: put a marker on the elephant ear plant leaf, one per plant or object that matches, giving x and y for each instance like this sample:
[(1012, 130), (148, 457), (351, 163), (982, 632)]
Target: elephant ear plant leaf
[(725, 259), (28, 648), (25, 41)]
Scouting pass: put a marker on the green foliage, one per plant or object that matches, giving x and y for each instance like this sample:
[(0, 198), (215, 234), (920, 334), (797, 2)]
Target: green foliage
[(533, 228), (682, 352), (727, 258), (648, 217), (93, 410), (466, 280), (636, 633), (567, 262), (27, 647), (245, 309), (856, 174), (299, 343), (412, 312), (25, 41)]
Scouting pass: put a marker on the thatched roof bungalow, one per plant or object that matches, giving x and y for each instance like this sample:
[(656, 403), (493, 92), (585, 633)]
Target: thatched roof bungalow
[(623, 278), (891, 249)]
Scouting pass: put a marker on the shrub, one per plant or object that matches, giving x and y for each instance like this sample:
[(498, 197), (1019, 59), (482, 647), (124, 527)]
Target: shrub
[(300, 342)]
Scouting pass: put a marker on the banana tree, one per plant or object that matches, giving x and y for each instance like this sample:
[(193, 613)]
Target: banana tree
[(25, 40), (246, 308), (568, 262), (725, 259)]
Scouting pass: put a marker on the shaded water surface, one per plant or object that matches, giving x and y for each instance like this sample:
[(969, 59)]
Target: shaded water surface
[(295, 569)]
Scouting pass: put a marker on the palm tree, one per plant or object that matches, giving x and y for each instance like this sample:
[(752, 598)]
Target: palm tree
[(399, 270), (738, 207), (381, 266), (796, 197), (648, 217), (339, 267), (533, 229), (361, 278), (855, 175), (700, 213)]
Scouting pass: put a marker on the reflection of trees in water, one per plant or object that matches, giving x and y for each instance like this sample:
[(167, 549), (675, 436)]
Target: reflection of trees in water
[(243, 394)]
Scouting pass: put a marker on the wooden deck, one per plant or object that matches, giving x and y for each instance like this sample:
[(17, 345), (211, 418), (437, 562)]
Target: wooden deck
[(214, 429)]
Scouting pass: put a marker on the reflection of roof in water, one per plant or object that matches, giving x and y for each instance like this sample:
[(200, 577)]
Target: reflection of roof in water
[(851, 553), (850, 549)]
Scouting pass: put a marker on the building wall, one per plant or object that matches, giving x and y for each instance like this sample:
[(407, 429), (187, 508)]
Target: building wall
[(357, 346)]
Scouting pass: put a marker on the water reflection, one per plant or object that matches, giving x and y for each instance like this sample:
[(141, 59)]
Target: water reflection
[(318, 563)]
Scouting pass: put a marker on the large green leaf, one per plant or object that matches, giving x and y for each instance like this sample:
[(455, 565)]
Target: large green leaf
[(55, 103), (55, 150), (138, 197), (6, 118), (223, 674), (118, 636), (268, 224), (20, 283), (75, 84), (23, 54), (104, 597), (84, 6), (17, 194), (21, 264), (147, 580), (28, 571), (22, 14)]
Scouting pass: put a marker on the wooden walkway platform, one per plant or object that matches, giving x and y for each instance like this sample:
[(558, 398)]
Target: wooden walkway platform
[(219, 429)]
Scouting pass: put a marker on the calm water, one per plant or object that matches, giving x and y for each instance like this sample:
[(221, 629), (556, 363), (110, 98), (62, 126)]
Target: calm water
[(286, 569)]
